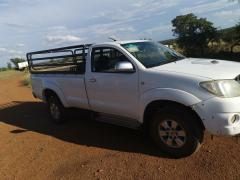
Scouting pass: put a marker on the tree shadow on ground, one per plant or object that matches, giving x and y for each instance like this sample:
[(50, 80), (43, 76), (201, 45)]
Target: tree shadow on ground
[(79, 129)]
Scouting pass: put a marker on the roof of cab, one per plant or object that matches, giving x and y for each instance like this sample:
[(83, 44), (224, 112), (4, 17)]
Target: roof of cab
[(120, 42)]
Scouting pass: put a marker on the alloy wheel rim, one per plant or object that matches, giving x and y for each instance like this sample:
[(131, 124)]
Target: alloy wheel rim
[(172, 133)]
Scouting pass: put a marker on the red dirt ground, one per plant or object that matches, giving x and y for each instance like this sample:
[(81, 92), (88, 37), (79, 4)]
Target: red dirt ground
[(31, 147)]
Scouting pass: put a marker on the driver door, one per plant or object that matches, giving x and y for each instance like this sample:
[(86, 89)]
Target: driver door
[(110, 91)]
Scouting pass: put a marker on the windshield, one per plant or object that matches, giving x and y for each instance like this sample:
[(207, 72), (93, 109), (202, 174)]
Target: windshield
[(152, 54)]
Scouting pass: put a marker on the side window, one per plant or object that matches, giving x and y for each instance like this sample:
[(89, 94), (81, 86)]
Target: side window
[(105, 59)]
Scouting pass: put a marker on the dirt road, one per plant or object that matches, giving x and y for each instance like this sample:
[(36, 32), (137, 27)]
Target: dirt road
[(33, 148)]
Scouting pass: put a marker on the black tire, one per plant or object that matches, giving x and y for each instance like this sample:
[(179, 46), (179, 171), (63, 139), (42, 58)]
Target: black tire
[(56, 110), (175, 131)]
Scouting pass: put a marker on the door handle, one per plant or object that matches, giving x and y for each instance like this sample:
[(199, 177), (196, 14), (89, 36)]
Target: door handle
[(92, 80)]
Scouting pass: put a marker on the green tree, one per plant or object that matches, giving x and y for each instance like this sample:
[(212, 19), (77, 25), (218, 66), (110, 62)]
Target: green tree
[(231, 36), (15, 61), (9, 65), (238, 31), (193, 33), (237, 37)]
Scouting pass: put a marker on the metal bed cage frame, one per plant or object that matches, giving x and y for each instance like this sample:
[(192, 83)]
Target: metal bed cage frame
[(71, 59)]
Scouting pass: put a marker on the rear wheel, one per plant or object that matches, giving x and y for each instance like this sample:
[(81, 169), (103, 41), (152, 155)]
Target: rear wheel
[(56, 110), (175, 131)]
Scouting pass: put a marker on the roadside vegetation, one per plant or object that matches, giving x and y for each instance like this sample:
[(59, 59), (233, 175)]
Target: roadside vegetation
[(5, 69), (7, 74), (9, 71), (26, 81), (197, 37)]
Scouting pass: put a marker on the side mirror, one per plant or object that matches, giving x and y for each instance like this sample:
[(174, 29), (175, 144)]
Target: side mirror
[(124, 67)]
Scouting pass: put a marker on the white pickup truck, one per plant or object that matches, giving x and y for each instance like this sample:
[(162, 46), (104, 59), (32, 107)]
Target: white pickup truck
[(142, 84)]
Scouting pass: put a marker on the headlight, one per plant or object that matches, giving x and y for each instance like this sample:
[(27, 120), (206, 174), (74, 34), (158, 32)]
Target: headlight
[(222, 88)]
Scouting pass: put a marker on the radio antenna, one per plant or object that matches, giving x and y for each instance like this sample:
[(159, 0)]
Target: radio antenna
[(112, 38)]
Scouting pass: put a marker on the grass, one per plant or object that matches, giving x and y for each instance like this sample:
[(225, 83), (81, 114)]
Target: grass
[(8, 74), (26, 81)]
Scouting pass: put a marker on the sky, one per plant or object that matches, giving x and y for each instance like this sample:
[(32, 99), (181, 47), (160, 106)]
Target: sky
[(29, 25)]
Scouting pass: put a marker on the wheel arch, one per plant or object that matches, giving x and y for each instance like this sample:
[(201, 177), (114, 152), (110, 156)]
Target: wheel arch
[(154, 105), (47, 92), (166, 95)]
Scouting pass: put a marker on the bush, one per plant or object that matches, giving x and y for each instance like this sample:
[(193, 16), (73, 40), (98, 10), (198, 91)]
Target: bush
[(3, 69), (26, 81)]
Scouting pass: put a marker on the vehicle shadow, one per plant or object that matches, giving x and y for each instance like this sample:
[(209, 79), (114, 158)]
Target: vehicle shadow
[(79, 129)]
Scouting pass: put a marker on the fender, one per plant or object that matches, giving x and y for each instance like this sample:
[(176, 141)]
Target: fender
[(54, 87), (169, 94)]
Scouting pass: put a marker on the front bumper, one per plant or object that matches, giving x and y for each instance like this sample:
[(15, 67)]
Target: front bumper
[(217, 113)]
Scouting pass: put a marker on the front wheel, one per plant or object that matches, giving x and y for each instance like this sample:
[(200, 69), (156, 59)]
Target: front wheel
[(175, 132)]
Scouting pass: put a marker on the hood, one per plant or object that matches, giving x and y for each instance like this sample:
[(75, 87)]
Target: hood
[(208, 68)]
